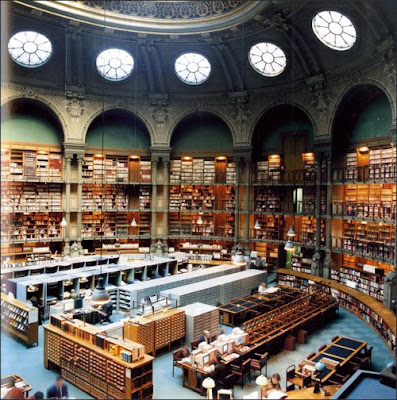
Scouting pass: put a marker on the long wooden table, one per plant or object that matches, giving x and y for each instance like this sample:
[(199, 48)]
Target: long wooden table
[(260, 302), (307, 393), (342, 351), (339, 353)]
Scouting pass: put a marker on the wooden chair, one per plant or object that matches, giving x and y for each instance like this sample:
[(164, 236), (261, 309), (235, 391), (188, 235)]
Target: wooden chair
[(224, 394), (259, 362), (175, 360), (322, 347), (309, 356), (364, 360), (241, 371), (194, 344), (289, 376), (334, 338)]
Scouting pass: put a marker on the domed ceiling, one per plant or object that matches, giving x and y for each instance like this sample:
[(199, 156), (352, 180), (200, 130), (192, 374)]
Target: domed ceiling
[(156, 17)]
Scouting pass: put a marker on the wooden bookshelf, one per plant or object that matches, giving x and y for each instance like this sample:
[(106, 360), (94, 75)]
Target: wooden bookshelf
[(19, 164), (20, 319), (362, 274), (157, 330), (373, 312), (267, 199), (302, 260), (115, 169), (97, 363)]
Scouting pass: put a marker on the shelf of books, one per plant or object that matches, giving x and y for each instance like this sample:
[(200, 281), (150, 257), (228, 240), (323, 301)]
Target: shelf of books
[(116, 169), (267, 199), (309, 201), (269, 254), (17, 164), (302, 260), (269, 171), (364, 165), (270, 228), (373, 312), (365, 201), (369, 239), (361, 274), (20, 319), (103, 365)]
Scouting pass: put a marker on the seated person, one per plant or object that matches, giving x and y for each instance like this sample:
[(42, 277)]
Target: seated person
[(183, 352), (13, 393), (107, 309), (220, 374), (73, 294), (350, 211), (220, 332), (262, 287), (36, 396), (273, 386), (205, 337)]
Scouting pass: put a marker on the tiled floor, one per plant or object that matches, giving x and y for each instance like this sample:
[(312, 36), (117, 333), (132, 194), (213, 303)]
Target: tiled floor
[(15, 359)]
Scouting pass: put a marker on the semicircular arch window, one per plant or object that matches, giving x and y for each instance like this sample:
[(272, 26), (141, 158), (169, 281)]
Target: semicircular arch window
[(29, 49), (115, 64), (192, 68), (334, 30), (267, 59)]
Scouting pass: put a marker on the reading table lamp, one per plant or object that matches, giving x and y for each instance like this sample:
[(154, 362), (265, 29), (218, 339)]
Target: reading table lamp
[(320, 367), (209, 384), (261, 381)]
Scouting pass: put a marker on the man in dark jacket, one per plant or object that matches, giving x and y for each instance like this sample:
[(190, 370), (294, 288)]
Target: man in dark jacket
[(59, 390)]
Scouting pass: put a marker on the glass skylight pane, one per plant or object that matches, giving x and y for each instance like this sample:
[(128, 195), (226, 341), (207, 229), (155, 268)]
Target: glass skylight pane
[(115, 64), (333, 33), (267, 59), (192, 68), (29, 49)]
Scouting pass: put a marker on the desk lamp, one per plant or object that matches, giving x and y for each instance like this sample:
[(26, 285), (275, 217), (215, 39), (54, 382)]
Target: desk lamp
[(261, 381), (209, 384), (320, 367)]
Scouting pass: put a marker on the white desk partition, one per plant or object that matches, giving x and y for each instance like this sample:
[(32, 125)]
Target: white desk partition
[(219, 290)]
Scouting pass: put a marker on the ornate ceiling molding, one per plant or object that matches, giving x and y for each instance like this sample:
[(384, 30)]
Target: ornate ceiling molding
[(155, 17)]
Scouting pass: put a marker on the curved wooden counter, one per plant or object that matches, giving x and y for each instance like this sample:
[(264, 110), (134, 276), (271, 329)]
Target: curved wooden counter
[(373, 312)]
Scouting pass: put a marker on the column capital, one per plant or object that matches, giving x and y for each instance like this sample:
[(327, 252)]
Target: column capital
[(160, 153), (242, 153), (74, 148)]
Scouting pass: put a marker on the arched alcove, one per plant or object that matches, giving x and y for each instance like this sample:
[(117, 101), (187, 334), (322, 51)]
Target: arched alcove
[(363, 115), (202, 131), (277, 123), (121, 129), (30, 121)]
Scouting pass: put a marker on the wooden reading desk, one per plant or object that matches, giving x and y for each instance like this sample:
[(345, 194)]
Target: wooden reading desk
[(10, 381), (334, 356)]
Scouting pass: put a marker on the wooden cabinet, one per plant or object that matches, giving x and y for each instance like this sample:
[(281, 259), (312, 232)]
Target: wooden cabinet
[(20, 319)]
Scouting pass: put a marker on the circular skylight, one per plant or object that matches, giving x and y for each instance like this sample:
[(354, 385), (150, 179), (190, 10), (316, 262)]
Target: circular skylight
[(30, 49), (115, 64), (267, 59), (334, 30), (192, 68)]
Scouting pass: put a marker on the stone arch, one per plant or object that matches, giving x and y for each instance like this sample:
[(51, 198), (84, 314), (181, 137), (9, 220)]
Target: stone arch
[(191, 111), (352, 85), (301, 107), (43, 101), (135, 113)]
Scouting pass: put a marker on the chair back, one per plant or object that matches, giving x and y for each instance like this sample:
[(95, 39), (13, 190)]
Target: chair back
[(194, 344), (290, 371), (174, 354), (263, 359), (225, 394), (311, 355), (246, 366), (368, 353)]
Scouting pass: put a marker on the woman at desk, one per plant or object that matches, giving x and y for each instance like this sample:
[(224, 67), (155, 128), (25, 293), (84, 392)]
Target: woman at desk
[(273, 386)]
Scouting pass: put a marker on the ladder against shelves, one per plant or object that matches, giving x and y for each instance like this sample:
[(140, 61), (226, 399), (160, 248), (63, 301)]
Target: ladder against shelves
[(20, 319), (373, 312)]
